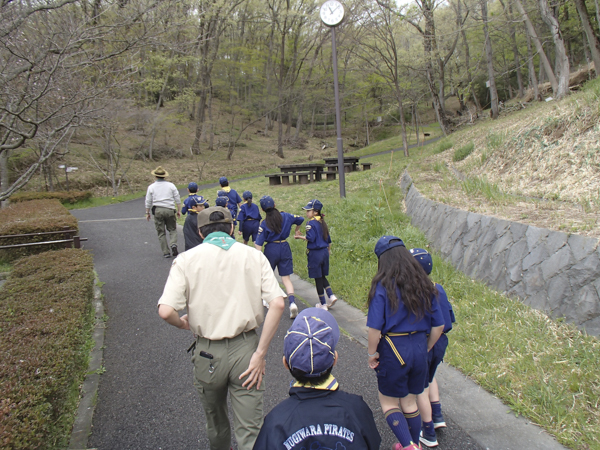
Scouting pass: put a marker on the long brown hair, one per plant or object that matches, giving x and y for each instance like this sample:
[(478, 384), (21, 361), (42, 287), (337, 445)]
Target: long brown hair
[(274, 220), (397, 268), (324, 226)]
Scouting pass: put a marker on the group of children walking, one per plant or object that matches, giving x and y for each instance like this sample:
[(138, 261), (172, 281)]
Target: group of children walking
[(408, 315)]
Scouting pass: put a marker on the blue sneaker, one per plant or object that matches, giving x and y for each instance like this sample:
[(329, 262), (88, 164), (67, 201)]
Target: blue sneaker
[(429, 440), (438, 421)]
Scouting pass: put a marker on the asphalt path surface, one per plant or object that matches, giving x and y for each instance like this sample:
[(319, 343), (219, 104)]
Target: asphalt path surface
[(146, 399)]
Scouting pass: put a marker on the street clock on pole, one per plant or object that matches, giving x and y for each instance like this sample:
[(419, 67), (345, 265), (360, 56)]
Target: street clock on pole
[(332, 13)]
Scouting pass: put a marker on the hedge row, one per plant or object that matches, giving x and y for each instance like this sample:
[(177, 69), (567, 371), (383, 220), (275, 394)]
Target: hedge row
[(45, 327), (64, 197), (35, 216)]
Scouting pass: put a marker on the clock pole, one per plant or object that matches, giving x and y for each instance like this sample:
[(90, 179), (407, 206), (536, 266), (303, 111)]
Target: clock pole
[(338, 117)]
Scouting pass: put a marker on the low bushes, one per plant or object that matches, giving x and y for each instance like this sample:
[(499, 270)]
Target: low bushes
[(442, 146), (462, 152), (45, 328), (64, 197), (36, 216)]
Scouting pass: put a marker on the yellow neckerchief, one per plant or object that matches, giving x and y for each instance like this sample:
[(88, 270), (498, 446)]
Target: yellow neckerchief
[(330, 384), (317, 218), (226, 189)]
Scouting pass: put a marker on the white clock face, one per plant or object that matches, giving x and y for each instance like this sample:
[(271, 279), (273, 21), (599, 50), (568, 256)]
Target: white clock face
[(332, 13)]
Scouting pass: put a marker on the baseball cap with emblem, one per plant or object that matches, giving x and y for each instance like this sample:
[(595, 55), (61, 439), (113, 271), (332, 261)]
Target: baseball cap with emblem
[(423, 257), (223, 180), (309, 345), (386, 243), (204, 216), (221, 201), (266, 202), (313, 204), (246, 195), (160, 172), (193, 186)]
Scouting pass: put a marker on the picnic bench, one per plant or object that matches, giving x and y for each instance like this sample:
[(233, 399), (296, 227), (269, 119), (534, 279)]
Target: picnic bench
[(366, 166), (352, 160), (301, 173)]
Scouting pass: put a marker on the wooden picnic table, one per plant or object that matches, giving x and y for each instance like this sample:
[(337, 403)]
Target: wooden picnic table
[(352, 160), (316, 169)]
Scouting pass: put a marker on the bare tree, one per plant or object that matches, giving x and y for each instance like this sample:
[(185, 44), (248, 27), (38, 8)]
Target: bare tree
[(593, 41), (490, 60), (562, 60)]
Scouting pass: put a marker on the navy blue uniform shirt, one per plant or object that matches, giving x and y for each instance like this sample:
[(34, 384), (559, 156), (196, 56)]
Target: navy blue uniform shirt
[(314, 235), (248, 211), (265, 234), (381, 317), (446, 308)]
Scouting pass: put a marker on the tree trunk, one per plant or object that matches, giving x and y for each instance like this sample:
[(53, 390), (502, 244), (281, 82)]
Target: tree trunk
[(532, 77), (594, 43), (538, 45), (4, 182), (515, 48), (562, 60), (467, 58), (280, 86), (402, 120), (490, 60)]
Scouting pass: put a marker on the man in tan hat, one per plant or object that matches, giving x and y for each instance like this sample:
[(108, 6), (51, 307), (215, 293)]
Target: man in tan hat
[(162, 198), (222, 283)]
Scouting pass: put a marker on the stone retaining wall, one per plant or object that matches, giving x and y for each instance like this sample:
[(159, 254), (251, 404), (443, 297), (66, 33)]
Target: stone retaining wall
[(551, 271)]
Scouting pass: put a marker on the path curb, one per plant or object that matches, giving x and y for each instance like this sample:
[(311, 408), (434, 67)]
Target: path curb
[(82, 427), (480, 414)]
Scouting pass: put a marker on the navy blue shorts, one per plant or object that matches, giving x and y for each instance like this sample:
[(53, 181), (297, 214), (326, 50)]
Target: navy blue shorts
[(318, 262), (397, 380), (280, 256), (250, 228), (436, 356)]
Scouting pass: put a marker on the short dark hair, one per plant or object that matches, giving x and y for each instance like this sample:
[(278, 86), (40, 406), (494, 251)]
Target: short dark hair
[(301, 377), (215, 227)]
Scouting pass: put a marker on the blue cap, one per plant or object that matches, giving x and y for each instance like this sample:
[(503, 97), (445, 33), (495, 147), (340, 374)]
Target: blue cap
[(267, 202), (221, 201), (424, 258), (309, 344), (193, 186), (246, 195), (222, 180), (313, 204), (221, 193), (387, 242), (196, 200)]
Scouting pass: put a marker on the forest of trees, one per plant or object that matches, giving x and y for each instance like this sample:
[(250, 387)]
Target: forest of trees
[(67, 64)]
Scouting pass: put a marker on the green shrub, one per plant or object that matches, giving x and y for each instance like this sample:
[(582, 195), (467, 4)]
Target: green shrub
[(443, 145), (36, 216), (45, 328), (462, 152), (64, 197)]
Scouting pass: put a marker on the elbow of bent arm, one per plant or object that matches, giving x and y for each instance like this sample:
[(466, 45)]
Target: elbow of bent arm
[(165, 311)]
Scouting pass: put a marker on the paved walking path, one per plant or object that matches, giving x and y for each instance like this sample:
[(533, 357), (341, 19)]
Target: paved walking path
[(146, 399)]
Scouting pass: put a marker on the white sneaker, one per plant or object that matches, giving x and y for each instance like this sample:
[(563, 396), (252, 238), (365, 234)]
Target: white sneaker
[(320, 306), (331, 301), (293, 310), (265, 304)]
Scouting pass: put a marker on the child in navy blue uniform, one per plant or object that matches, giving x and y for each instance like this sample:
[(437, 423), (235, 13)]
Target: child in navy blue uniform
[(221, 199), (318, 249), (234, 200), (317, 415), (249, 218), (274, 231), (192, 190), (429, 401), (192, 206), (402, 310)]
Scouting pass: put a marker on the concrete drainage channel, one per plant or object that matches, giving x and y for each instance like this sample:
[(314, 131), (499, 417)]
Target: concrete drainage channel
[(82, 427)]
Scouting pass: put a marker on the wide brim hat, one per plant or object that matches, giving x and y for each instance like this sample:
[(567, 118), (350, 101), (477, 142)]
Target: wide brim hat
[(204, 216), (313, 204), (309, 345), (386, 243), (423, 257), (160, 172)]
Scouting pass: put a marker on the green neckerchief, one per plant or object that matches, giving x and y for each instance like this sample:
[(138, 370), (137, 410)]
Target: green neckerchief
[(220, 239), (330, 384)]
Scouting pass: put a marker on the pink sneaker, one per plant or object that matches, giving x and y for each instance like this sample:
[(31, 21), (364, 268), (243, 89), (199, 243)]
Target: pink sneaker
[(412, 446)]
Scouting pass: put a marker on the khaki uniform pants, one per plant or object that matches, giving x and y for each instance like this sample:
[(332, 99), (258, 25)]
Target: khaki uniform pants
[(165, 218), (231, 359)]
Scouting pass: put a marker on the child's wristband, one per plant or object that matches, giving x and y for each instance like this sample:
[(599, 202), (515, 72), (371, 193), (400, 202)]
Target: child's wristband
[(373, 355)]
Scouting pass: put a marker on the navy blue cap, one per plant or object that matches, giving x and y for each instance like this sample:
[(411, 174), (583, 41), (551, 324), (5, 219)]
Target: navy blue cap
[(309, 344), (193, 186), (267, 202), (195, 200), (424, 258), (221, 193), (223, 180), (246, 195), (387, 242), (221, 201), (313, 204)]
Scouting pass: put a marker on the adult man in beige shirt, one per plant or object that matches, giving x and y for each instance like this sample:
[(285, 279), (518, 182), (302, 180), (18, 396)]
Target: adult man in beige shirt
[(223, 282)]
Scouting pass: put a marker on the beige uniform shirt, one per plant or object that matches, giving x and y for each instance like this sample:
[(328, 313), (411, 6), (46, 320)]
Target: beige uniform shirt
[(223, 289)]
